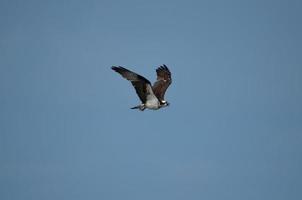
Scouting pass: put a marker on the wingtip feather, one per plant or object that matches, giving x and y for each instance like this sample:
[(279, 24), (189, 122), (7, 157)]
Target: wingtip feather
[(163, 67), (114, 68), (118, 69)]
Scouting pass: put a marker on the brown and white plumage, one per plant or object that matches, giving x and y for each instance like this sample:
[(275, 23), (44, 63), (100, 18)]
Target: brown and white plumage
[(151, 97), (164, 80)]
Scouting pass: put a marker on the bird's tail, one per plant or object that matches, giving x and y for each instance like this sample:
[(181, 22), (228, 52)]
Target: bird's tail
[(136, 107), (140, 107)]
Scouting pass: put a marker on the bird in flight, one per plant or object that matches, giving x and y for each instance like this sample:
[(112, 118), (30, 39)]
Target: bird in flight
[(152, 97)]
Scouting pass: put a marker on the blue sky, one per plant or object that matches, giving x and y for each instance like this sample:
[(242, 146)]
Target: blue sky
[(233, 129)]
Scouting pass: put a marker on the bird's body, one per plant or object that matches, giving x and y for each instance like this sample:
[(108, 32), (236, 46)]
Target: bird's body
[(152, 102), (152, 97)]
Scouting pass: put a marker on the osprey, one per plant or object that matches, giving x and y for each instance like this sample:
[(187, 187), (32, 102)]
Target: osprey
[(152, 97)]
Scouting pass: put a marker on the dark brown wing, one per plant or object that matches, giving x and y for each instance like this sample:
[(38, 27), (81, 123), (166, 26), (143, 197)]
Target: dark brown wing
[(164, 80), (139, 82)]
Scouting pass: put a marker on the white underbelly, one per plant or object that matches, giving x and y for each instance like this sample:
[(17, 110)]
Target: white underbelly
[(152, 104), (152, 101)]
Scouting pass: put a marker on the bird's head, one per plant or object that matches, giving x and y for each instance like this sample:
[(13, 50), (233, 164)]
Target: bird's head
[(164, 103)]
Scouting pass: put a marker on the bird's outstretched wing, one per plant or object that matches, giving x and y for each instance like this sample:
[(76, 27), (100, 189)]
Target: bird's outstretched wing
[(141, 84), (162, 83)]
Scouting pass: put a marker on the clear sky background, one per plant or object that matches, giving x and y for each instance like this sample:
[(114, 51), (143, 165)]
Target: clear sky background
[(233, 129)]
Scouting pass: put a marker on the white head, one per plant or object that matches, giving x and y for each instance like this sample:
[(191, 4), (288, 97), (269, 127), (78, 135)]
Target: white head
[(164, 103)]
